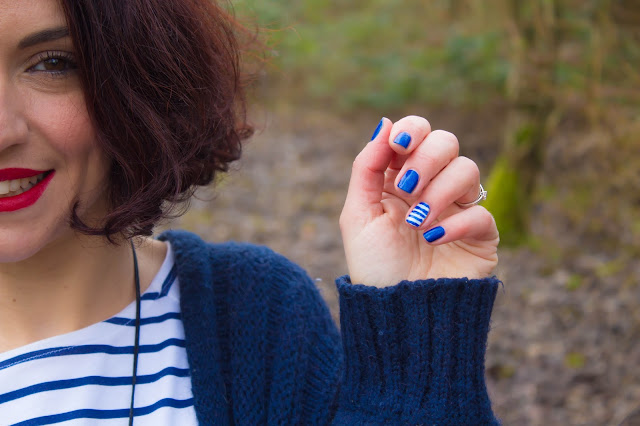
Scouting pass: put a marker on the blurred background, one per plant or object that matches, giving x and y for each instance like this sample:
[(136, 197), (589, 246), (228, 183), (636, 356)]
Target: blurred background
[(543, 94)]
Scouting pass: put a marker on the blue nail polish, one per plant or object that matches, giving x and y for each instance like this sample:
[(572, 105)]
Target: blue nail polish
[(418, 214), (375, 133), (409, 181), (434, 234), (403, 139)]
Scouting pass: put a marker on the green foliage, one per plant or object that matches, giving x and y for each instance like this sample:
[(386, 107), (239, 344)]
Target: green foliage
[(524, 135), (610, 268), (383, 54), (574, 360), (476, 60), (505, 202), (377, 54), (574, 282), (502, 371)]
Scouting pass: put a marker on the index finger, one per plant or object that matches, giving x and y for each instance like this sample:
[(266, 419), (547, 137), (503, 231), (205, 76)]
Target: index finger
[(406, 135)]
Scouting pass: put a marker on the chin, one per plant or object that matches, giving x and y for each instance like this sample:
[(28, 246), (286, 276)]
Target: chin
[(17, 252), (16, 246)]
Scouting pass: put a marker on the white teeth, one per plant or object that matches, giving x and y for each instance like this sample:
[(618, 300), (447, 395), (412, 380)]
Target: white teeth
[(14, 187)]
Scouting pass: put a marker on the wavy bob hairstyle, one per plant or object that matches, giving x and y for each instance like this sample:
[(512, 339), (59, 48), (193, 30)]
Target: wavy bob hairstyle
[(164, 90)]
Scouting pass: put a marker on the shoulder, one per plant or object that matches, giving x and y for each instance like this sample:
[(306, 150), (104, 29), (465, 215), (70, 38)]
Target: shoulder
[(237, 266), (262, 319)]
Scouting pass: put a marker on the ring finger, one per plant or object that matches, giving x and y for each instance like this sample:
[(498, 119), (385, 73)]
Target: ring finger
[(459, 181)]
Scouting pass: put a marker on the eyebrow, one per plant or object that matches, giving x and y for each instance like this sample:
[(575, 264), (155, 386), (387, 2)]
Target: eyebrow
[(43, 36)]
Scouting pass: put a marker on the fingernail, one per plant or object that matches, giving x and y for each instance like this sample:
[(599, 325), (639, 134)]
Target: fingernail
[(409, 181), (434, 234), (375, 133), (418, 215), (403, 139)]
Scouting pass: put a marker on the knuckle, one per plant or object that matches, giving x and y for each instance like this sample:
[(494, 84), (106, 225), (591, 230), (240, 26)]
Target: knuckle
[(485, 218), (342, 222), (470, 168), (448, 138), (413, 123), (414, 119), (419, 122), (464, 228), (430, 161), (358, 163)]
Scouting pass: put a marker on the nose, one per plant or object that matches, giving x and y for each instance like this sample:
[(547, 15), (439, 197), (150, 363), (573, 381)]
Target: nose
[(13, 125)]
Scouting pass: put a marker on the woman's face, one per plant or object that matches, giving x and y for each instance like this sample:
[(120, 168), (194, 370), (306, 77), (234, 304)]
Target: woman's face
[(49, 157)]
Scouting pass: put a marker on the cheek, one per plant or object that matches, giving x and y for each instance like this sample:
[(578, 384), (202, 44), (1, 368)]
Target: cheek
[(66, 128)]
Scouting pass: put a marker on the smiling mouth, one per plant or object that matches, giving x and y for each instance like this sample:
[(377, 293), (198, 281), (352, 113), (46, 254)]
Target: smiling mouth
[(13, 187)]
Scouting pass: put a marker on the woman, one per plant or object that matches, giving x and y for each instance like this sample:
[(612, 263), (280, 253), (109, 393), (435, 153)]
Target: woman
[(111, 112)]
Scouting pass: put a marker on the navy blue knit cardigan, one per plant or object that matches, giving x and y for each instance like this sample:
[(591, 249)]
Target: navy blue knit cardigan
[(263, 349)]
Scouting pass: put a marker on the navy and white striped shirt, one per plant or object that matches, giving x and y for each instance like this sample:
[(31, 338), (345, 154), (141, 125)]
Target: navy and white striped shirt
[(84, 377)]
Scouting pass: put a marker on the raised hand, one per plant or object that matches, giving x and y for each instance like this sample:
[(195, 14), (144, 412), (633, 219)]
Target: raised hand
[(400, 220)]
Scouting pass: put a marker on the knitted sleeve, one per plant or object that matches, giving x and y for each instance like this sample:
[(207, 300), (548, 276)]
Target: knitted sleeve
[(408, 354), (414, 352), (263, 349)]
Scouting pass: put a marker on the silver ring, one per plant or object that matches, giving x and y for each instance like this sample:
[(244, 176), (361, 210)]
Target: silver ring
[(481, 197)]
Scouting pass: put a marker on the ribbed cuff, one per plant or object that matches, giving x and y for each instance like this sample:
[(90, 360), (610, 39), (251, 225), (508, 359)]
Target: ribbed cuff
[(415, 352)]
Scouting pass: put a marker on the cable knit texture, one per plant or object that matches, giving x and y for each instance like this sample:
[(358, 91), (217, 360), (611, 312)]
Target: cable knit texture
[(263, 349)]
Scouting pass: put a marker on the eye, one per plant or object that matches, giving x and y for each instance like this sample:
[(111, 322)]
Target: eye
[(55, 63)]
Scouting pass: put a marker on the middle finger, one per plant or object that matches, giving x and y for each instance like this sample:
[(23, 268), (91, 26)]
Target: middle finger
[(438, 149)]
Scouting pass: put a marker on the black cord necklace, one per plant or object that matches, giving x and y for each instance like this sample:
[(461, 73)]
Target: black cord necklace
[(136, 345)]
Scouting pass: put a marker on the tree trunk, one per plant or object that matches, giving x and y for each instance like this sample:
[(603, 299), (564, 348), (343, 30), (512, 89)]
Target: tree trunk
[(530, 90)]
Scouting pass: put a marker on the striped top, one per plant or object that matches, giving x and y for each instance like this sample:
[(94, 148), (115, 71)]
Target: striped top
[(84, 377)]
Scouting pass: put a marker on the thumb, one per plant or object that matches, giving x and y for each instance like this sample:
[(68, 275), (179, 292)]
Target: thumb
[(367, 174)]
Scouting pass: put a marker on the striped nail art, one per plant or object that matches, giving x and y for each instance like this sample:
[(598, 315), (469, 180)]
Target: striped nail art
[(418, 214)]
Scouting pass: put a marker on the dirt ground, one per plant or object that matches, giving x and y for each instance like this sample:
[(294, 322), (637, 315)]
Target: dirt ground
[(564, 348)]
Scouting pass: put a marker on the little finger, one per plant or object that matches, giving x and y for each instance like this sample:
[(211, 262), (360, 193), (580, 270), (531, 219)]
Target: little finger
[(473, 223)]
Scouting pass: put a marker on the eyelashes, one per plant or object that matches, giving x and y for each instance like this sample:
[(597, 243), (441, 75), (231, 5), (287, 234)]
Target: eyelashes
[(53, 64)]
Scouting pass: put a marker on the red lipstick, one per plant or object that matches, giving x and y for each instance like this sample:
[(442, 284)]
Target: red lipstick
[(27, 198)]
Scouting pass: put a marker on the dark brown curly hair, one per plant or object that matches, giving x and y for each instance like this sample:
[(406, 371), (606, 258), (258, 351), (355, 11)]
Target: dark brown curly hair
[(164, 88)]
